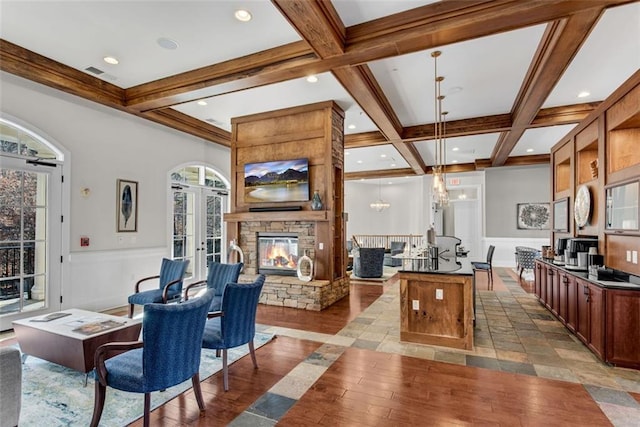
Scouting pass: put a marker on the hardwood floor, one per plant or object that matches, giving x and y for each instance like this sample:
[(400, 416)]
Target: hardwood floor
[(342, 366)]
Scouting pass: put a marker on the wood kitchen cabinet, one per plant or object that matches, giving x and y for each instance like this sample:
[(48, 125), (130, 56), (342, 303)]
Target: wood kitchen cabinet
[(590, 314), (605, 319), (551, 302), (623, 327)]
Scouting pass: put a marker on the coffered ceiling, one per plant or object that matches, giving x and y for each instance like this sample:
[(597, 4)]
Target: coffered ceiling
[(512, 69)]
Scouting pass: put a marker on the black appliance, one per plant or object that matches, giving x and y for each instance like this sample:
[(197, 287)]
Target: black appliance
[(577, 250)]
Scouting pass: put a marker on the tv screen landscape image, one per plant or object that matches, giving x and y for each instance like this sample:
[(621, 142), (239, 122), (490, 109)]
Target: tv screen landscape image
[(277, 181)]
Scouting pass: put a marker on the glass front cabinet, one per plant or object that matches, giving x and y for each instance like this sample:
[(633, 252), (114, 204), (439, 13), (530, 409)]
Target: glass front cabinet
[(622, 206)]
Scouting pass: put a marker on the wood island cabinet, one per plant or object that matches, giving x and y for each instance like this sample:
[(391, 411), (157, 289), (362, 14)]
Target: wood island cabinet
[(606, 320)]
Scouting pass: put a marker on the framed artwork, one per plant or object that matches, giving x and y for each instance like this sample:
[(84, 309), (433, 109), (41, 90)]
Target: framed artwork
[(127, 206), (561, 215), (533, 216)]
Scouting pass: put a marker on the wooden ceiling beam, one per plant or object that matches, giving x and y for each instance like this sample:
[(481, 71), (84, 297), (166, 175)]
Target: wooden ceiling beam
[(35, 67), (419, 29), (560, 43), (382, 173), (319, 25), (187, 124)]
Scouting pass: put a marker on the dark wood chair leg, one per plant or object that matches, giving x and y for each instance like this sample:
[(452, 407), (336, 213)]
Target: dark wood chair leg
[(98, 404), (252, 350), (147, 406), (195, 380), (225, 370), (130, 311)]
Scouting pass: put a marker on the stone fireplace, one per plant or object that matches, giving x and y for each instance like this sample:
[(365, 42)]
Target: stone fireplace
[(277, 253)]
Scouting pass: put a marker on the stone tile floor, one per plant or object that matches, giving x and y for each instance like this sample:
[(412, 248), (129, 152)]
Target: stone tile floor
[(513, 333)]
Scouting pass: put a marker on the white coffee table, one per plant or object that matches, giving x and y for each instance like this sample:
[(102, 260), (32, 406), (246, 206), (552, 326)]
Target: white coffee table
[(72, 340)]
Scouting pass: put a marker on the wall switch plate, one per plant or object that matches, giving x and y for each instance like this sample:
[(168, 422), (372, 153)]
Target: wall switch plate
[(628, 256), (634, 257), (439, 294), (416, 304), (321, 246)]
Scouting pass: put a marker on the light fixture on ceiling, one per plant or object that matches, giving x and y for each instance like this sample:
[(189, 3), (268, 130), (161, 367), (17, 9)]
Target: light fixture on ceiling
[(202, 103), (440, 193), (110, 60), (529, 150), (312, 78), (583, 94), (351, 126), (379, 205), (243, 15)]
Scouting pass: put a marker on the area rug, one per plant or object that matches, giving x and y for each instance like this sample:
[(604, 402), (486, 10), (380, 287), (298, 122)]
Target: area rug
[(53, 395)]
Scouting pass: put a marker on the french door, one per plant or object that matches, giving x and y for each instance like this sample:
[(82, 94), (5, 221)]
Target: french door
[(197, 228), (30, 238)]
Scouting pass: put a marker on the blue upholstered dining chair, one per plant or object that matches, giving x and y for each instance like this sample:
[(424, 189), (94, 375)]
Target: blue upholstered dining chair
[(168, 354), (235, 324), (169, 285), (217, 278)]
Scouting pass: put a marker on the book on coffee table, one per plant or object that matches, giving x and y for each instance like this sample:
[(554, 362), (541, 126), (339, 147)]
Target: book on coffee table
[(95, 327)]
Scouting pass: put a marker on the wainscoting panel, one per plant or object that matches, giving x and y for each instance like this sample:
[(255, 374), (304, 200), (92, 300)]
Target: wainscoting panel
[(104, 279), (504, 254)]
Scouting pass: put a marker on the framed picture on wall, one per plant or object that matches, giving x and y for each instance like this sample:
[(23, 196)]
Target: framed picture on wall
[(127, 206), (533, 216), (561, 215)]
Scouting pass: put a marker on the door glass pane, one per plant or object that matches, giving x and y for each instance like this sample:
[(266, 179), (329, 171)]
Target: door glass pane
[(183, 207), (23, 240)]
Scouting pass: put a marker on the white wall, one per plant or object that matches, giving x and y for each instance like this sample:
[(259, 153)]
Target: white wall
[(406, 215), (104, 145)]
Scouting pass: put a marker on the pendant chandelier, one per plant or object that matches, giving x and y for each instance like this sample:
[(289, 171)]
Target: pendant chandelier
[(379, 205), (440, 193)]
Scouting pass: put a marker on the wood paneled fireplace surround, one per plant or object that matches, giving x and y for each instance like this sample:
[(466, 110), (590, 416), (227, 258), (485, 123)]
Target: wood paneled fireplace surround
[(314, 132)]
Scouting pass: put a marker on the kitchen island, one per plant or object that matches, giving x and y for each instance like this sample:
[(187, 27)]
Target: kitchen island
[(437, 301)]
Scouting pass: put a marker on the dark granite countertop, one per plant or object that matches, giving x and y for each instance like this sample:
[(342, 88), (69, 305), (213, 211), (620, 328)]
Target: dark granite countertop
[(607, 284), (444, 265)]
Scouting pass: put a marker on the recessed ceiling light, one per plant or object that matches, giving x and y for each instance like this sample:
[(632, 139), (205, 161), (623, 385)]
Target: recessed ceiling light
[(454, 161), (202, 103), (110, 60), (351, 126), (583, 94), (166, 43), (393, 165), (346, 153), (390, 182), (242, 15), (383, 155), (455, 149), (312, 78), (529, 150), (359, 162)]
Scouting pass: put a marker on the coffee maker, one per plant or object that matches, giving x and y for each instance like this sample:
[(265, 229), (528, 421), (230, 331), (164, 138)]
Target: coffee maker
[(561, 247), (578, 250)]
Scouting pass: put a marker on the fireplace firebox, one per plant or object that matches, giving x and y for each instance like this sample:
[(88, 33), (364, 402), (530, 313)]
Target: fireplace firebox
[(278, 253)]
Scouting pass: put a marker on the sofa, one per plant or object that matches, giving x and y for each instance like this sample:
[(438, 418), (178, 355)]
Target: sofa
[(10, 386)]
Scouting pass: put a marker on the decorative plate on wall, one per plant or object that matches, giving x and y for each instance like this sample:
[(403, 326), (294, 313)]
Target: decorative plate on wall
[(582, 206)]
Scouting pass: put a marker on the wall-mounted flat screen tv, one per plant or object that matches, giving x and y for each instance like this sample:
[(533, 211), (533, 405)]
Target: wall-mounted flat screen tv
[(277, 181)]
